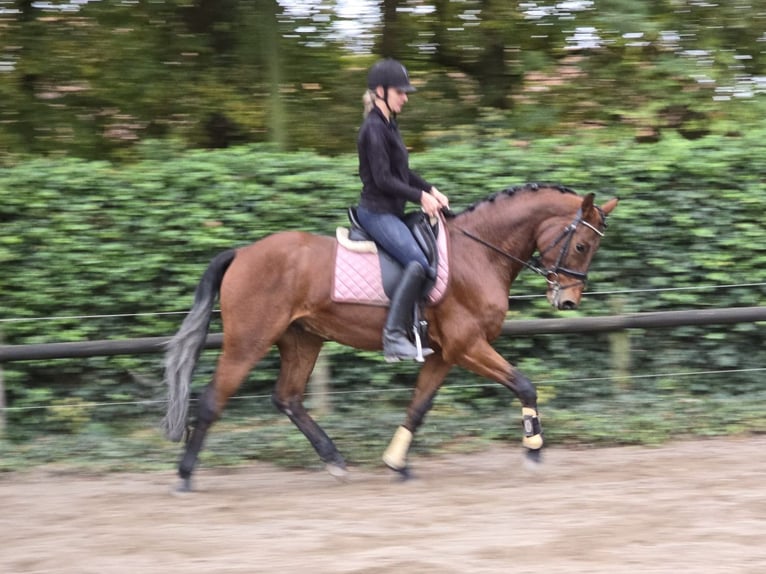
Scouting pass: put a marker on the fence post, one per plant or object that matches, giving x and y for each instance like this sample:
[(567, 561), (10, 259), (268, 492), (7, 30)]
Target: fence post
[(2, 397), (619, 347), (320, 385)]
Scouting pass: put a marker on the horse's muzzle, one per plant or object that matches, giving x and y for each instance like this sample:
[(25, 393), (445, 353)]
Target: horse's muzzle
[(566, 299)]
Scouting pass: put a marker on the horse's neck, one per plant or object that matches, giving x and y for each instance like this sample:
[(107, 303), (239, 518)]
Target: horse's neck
[(506, 223), (511, 224)]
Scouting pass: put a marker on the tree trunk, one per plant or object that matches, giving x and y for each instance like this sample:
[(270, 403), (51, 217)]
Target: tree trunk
[(389, 42), (268, 25)]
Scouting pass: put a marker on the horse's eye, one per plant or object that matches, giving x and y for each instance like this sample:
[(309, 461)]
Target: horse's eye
[(580, 248)]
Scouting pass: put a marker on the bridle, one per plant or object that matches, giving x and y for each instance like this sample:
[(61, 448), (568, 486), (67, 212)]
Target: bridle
[(564, 238)]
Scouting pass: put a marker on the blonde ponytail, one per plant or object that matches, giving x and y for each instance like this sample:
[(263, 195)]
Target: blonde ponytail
[(368, 99)]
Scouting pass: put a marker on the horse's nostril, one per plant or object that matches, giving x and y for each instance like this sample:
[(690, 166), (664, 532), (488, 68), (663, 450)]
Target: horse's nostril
[(568, 305)]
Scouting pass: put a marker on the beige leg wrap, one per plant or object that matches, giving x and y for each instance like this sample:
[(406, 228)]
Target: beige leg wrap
[(533, 442), (396, 453)]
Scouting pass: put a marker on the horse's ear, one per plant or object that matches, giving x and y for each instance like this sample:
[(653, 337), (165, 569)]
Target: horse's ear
[(610, 205), (587, 203)]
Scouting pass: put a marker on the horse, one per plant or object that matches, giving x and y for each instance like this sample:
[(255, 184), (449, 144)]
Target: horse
[(277, 291)]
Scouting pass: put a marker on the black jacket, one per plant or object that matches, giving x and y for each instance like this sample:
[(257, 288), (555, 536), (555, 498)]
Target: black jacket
[(387, 180)]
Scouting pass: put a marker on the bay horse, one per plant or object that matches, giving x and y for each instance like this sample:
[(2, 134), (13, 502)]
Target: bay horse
[(277, 291)]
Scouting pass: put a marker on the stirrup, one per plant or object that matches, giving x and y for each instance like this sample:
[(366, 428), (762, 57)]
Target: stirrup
[(423, 352), (402, 349)]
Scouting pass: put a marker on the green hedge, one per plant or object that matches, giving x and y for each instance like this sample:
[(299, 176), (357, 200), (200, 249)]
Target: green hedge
[(90, 239)]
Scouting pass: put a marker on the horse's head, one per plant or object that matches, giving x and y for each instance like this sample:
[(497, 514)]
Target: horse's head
[(567, 249)]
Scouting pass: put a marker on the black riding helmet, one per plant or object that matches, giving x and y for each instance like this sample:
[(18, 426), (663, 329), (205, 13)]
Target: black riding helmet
[(390, 74)]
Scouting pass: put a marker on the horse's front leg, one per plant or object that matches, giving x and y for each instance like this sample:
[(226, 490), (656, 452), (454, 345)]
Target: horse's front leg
[(483, 360), (530, 417), (429, 381)]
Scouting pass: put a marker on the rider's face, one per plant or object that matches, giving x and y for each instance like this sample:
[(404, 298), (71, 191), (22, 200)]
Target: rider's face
[(396, 98)]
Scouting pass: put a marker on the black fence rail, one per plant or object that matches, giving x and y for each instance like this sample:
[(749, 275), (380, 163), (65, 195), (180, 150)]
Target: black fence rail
[(656, 320)]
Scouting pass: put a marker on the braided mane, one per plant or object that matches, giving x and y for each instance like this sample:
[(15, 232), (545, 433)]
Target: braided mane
[(510, 191)]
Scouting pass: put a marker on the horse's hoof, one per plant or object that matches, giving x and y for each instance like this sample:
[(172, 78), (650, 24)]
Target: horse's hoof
[(533, 458), (183, 487), (338, 472), (406, 474), (403, 474)]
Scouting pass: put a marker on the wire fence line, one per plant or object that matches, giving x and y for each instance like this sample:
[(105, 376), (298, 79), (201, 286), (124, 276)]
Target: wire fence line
[(511, 298), (379, 392), (515, 327)]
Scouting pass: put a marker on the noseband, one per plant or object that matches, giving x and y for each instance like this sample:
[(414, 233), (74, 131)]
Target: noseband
[(564, 238)]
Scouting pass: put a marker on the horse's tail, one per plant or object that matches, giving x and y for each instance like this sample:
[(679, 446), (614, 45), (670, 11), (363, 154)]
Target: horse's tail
[(184, 348)]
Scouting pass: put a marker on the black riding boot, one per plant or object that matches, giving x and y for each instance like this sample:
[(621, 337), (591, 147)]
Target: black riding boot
[(396, 343)]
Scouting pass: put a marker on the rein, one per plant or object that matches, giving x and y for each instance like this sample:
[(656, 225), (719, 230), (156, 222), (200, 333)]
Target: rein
[(535, 263)]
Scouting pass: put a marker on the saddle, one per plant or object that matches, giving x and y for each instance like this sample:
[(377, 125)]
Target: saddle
[(426, 236), (364, 274)]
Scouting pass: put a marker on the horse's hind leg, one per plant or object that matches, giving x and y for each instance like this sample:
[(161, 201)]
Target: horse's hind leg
[(298, 351), (234, 363)]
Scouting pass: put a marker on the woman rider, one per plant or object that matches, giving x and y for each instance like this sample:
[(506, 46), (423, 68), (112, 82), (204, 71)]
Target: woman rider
[(387, 185)]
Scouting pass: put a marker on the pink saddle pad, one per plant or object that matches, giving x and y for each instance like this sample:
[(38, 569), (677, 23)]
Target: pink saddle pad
[(357, 276)]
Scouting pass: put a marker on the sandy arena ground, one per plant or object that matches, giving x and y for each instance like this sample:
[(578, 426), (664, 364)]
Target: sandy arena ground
[(688, 507)]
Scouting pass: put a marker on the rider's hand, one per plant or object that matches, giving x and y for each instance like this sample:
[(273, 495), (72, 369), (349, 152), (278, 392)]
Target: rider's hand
[(440, 197), (430, 204)]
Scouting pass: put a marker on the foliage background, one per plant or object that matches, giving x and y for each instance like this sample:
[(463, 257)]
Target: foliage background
[(94, 79), (137, 140), (125, 251)]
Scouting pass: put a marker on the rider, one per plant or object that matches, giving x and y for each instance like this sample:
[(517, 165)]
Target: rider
[(387, 184)]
